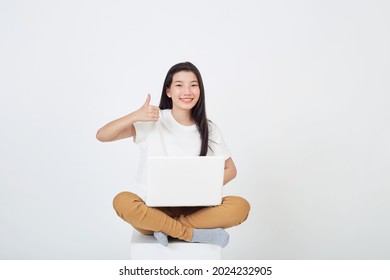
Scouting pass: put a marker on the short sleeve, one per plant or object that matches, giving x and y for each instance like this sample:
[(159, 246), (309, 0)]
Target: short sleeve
[(217, 145), (143, 130)]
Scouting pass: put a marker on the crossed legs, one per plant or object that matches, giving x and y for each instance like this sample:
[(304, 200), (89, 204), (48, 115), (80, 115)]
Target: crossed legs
[(180, 222)]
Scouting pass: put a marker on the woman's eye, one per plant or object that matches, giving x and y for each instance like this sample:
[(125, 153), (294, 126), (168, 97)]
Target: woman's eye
[(194, 85)]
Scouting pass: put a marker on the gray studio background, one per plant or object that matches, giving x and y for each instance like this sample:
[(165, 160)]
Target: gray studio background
[(300, 90)]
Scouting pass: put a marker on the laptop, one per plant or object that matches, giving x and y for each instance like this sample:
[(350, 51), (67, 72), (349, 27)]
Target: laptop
[(185, 181)]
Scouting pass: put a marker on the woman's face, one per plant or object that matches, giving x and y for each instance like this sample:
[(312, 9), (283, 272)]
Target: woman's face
[(184, 90)]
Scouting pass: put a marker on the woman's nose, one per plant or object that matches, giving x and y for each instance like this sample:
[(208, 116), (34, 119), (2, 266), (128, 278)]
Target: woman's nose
[(186, 90)]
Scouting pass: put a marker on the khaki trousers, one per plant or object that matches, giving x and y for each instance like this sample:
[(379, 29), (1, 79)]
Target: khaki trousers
[(179, 222)]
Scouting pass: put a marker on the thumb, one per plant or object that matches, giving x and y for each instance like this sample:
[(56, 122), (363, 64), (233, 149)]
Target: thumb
[(147, 102)]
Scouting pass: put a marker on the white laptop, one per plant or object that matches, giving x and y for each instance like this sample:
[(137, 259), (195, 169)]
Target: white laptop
[(185, 181)]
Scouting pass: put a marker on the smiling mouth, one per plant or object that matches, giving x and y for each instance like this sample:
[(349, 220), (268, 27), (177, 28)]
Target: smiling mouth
[(186, 100)]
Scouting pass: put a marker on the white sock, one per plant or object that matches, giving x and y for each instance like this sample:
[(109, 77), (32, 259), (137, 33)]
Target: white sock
[(217, 236), (161, 237)]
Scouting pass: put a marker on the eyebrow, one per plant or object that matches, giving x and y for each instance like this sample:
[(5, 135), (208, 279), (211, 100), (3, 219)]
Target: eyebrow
[(194, 81)]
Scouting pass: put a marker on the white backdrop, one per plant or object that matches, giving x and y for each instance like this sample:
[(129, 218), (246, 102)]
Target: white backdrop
[(300, 90)]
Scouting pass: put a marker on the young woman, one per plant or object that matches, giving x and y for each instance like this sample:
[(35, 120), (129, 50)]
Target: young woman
[(178, 127)]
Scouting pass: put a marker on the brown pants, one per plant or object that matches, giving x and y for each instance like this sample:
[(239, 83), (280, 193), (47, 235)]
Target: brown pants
[(178, 222)]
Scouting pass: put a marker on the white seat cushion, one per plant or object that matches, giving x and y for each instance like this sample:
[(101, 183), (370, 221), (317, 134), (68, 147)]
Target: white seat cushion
[(146, 247)]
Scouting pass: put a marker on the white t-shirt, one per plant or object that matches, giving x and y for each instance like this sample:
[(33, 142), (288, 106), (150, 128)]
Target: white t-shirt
[(167, 137)]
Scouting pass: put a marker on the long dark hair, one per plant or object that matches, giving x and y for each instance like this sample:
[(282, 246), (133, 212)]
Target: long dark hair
[(198, 113)]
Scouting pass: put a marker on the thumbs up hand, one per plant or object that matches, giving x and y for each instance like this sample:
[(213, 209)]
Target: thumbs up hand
[(148, 113)]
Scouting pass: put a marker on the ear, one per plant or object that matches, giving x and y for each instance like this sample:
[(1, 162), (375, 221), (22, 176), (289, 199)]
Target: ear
[(168, 92)]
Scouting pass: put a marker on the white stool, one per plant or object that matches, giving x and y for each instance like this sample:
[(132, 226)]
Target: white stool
[(146, 247)]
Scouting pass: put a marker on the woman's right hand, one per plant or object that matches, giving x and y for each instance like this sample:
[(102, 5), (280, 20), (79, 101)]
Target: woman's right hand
[(124, 127), (147, 113)]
